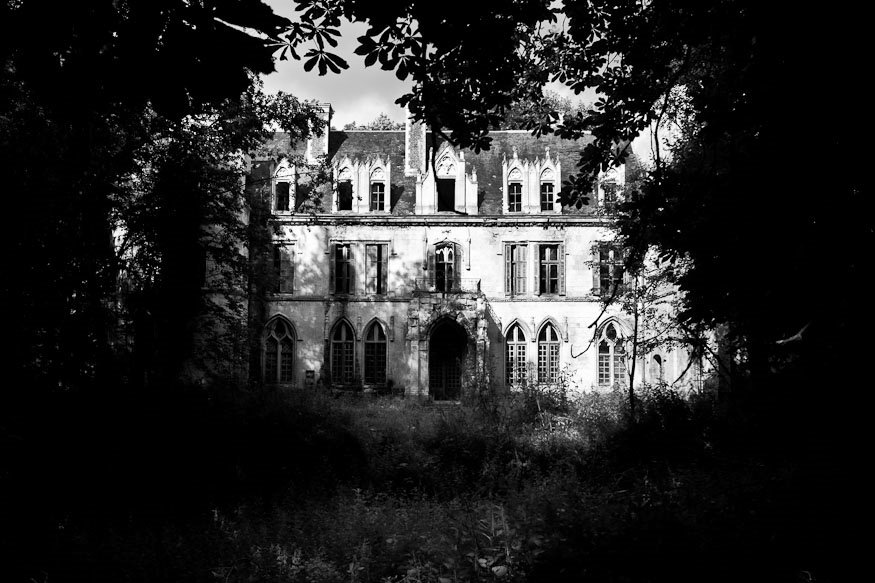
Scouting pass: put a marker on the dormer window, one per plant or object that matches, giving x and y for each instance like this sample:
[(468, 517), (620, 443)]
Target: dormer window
[(609, 190), (344, 190), (284, 191), (378, 196), (546, 196), (515, 191), (378, 190), (515, 197), (547, 190)]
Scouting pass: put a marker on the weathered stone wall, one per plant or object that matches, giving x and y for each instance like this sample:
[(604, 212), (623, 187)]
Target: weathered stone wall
[(408, 314)]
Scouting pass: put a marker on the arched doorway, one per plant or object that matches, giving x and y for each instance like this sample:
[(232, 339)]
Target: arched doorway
[(446, 356)]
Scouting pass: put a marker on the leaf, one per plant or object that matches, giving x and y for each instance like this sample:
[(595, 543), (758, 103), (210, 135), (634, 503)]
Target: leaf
[(310, 63), (499, 571)]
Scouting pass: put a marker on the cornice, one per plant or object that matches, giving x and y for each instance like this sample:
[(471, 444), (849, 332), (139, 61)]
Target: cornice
[(447, 220)]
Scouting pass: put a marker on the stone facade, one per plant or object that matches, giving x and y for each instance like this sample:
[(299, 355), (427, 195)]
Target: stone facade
[(429, 269)]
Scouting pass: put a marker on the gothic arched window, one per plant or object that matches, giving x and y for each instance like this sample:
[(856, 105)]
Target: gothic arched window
[(548, 355), (342, 355), (375, 355), (445, 267), (515, 356), (612, 358), (279, 352)]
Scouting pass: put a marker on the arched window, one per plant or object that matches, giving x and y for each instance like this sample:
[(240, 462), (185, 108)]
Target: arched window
[(375, 355), (515, 356), (342, 359), (279, 352), (657, 369), (612, 358), (445, 267), (548, 355)]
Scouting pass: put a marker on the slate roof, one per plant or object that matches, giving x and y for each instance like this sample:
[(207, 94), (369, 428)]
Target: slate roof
[(362, 144)]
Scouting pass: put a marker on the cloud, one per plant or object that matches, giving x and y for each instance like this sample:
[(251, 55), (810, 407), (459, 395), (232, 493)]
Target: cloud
[(357, 94)]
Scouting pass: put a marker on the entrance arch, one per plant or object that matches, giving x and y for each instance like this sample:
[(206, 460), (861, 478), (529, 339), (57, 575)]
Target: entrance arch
[(447, 348)]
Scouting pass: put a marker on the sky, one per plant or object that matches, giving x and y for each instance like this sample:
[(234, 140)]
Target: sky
[(356, 94)]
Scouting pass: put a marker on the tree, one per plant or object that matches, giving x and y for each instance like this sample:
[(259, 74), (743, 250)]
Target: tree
[(88, 95), (742, 198), (381, 122)]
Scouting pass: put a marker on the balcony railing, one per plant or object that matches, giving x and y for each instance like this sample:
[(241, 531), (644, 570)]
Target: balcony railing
[(454, 286)]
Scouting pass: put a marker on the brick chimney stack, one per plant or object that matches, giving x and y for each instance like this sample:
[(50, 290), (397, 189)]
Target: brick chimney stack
[(318, 145)]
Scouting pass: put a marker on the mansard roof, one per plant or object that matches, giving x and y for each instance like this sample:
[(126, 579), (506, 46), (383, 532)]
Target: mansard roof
[(390, 145)]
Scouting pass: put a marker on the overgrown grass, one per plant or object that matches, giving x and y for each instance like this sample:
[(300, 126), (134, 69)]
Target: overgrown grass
[(315, 487)]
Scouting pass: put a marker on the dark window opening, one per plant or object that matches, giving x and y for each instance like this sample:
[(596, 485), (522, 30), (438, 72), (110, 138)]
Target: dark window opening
[(344, 194), (282, 196), (446, 188), (446, 356)]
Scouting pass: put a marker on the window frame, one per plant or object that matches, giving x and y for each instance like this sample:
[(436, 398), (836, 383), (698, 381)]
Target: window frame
[(552, 194), (612, 359), (381, 277), (515, 358), (381, 198), (548, 354), (335, 273), (516, 272), (289, 334), (513, 186), (283, 275), (375, 374), (343, 354)]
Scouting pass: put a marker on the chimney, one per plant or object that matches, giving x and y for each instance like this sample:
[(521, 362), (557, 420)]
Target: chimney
[(414, 147), (318, 145)]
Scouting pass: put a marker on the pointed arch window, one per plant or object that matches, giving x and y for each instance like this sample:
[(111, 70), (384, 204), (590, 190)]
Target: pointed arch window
[(612, 358), (548, 355), (445, 267), (342, 355), (375, 355), (279, 352), (515, 356)]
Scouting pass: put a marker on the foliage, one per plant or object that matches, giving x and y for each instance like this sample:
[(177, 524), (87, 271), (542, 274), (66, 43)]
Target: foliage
[(381, 122), (307, 487), (121, 115), (749, 197)]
